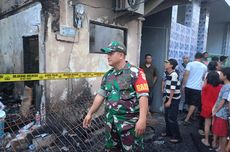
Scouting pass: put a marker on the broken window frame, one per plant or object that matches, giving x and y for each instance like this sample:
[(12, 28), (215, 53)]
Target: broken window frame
[(125, 31)]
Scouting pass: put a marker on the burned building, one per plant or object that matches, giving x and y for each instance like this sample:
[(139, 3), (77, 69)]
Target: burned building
[(64, 36), (57, 36)]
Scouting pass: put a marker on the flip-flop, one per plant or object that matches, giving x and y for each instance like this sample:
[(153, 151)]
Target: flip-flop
[(175, 141), (218, 149), (163, 134), (214, 146), (204, 143)]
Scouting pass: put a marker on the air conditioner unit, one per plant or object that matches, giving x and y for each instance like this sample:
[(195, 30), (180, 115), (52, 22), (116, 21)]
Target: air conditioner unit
[(136, 6)]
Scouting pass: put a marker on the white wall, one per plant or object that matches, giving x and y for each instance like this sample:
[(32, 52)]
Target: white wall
[(12, 29)]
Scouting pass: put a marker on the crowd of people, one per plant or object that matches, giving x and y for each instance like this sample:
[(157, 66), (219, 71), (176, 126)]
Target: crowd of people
[(199, 87)]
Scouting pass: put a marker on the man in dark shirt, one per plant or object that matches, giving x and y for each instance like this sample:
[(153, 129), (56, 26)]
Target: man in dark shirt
[(151, 76), (223, 60)]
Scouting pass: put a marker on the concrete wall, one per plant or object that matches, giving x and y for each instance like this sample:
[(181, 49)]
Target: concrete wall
[(12, 30), (216, 35), (75, 57), (25, 23)]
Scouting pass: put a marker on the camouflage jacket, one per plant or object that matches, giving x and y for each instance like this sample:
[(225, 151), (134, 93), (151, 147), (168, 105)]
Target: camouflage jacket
[(122, 90)]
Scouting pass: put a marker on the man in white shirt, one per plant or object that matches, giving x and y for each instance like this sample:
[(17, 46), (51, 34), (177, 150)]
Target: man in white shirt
[(192, 84), (181, 69)]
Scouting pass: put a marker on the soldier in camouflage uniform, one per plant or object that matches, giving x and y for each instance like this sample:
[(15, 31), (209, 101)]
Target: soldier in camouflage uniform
[(125, 92)]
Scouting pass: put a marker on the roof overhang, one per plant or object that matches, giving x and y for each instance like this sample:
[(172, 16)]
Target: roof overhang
[(155, 6)]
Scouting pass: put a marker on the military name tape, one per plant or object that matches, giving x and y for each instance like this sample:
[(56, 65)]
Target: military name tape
[(47, 76)]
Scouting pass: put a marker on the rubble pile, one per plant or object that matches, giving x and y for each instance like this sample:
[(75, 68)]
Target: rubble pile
[(59, 132)]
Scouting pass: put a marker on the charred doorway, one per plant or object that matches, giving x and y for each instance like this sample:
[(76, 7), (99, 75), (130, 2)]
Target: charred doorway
[(31, 65)]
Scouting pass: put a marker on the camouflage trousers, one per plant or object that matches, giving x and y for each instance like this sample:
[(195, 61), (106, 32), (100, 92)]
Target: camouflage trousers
[(120, 137)]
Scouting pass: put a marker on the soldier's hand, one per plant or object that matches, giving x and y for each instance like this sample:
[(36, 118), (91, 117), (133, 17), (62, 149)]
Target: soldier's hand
[(140, 127), (87, 121)]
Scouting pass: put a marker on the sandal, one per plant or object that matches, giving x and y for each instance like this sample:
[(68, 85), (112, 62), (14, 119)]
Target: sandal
[(214, 145), (163, 134), (218, 149), (175, 141), (204, 143)]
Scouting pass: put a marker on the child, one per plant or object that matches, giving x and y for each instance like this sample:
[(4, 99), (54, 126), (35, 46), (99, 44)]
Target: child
[(209, 95), (220, 111), (171, 104), (227, 149)]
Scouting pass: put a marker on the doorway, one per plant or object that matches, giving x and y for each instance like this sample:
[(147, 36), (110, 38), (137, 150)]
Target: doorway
[(31, 63), (154, 42)]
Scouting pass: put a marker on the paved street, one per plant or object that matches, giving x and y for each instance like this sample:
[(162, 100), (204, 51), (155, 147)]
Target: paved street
[(191, 138)]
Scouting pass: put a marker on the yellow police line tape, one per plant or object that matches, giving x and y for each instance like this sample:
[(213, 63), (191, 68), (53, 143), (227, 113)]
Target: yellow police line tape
[(48, 76)]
